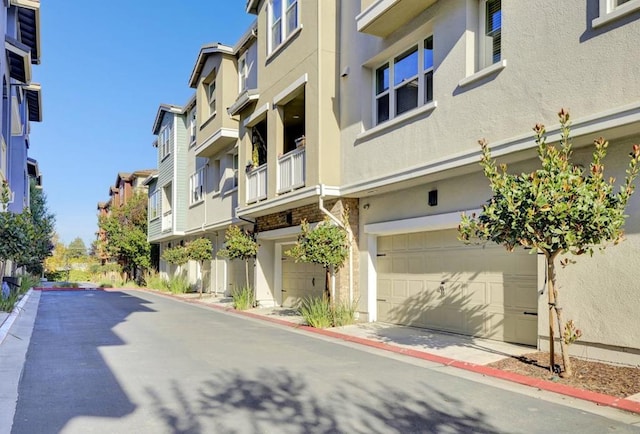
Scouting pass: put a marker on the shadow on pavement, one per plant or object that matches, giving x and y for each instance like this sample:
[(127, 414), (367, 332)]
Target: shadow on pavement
[(65, 376), (276, 400)]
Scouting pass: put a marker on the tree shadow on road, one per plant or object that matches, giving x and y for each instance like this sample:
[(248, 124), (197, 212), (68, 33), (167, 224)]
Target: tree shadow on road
[(277, 400)]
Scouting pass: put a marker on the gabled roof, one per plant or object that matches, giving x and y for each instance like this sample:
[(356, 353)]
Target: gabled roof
[(162, 109), (33, 93), (252, 6), (206, 51), (249, 36), (19, 56), (29, 20), (150, 179)]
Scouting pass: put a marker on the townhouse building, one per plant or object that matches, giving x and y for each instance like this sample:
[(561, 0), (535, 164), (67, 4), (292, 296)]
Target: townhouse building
[(21, 104), (375, 107), (427, 80)]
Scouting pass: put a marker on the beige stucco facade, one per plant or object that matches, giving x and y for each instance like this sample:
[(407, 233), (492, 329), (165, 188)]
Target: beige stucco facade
[(556, 60)]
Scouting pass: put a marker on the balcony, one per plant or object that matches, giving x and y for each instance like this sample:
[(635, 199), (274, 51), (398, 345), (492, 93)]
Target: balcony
[(383, 17), (257, 184), (167, 221), (291, 171)]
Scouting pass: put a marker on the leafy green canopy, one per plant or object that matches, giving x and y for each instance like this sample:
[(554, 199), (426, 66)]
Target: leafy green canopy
[(125, 230), (561, 207), (326, 244), (238, 244)]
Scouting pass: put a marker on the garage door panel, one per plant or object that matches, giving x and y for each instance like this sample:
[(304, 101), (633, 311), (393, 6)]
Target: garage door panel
[(300, 281), (486, 290)]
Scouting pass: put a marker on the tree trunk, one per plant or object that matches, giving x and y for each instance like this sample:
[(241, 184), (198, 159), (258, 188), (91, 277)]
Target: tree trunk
[(551, 291), (566, 361), (327, 283)]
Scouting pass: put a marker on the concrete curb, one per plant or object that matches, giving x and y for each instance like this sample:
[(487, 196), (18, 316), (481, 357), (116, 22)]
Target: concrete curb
[(8, 322), (595, 397)]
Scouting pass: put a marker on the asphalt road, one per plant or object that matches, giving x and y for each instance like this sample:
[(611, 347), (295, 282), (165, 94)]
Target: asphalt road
[(134, 362)]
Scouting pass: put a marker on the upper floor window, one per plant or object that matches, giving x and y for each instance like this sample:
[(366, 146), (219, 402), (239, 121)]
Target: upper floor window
[(283, 19), (611, 10), (197, 186), (164, 142), (490, 46), (404, 82), (192, 126), (243, 73), (154, 205), (234, 167), (211, 97)]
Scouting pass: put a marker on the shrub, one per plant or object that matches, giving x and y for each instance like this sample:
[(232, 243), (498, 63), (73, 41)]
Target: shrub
[(153, 280), (27, 282), (178, 285), (243, 298), (7, 304), (105, 285), (79, 275), (320, 313)]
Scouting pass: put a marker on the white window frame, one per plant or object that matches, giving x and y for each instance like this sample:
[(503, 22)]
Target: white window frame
[(392, 88), (214, 167), (154, 205), (486, 54), (211, 97), (243, 73), (196, 186), (192, 126), (281, 24), (234, 167), (611, 10), (164, 141)]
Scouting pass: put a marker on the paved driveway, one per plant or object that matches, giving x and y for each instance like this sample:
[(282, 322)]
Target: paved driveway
[(125, 362)]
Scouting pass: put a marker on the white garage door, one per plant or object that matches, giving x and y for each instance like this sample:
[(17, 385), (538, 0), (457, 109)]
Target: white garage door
[(432, 280), (300, 281)]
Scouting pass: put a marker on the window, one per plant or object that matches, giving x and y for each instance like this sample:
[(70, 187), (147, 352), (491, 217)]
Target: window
[(197, 186), (154, 205), (243, 72), (611, 10), (215, 175), (490, 48), (235, 170), (279, 28), (192, 126), (211, 97), (405, 82), (164, 142)]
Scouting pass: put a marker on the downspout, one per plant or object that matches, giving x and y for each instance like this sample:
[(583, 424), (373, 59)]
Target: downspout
[(347, 228)]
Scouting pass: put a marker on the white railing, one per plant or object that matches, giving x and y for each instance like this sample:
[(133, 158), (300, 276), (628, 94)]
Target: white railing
[(167, 221), (257, 184), (291, 171)]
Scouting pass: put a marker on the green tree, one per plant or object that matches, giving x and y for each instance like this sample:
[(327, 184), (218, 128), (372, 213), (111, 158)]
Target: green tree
[(41, 231), (200, 250), (57, 260), (561, 208), (177, 255), (77, 248), (326, 244), (125, 230), (239, 244)]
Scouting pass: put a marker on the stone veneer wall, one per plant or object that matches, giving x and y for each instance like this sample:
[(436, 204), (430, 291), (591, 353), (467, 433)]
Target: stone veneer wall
[(313, 214)]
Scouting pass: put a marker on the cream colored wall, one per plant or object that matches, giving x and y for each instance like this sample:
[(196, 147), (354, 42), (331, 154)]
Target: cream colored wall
[(553, 61), (226, 76), (312, 51), (599, 293)]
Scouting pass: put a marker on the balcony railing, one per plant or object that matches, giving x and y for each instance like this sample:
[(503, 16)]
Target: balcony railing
[(167, 221), (291, 172), (257, 184)]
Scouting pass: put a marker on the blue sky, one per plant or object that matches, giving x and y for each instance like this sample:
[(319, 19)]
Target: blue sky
[(106, 66)]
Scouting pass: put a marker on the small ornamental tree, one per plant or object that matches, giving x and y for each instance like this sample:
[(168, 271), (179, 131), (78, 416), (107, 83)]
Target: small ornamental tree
[(327, 244), (560, 208), (239, 244), (199, 250), (15, 233), (177, 255)]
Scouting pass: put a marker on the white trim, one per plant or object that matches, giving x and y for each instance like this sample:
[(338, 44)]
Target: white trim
[(285, 96), (435, 222), (30, 4), (219, 134), (609, 12), (394, 122), (485, 72), (257, 115), (373, 12), (283, 233)]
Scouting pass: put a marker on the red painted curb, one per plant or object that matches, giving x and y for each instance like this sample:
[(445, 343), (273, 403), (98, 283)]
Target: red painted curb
[(563, 389)]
